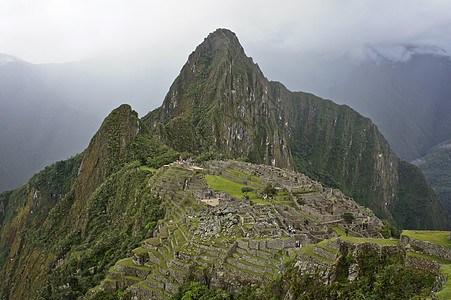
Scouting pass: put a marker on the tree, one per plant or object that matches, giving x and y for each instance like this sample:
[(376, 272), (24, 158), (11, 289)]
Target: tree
[(269, 191), (246, 190), (348, 217)]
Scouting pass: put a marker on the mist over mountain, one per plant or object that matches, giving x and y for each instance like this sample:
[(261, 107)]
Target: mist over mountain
[(49, 112), (405, 90), (36, 126)]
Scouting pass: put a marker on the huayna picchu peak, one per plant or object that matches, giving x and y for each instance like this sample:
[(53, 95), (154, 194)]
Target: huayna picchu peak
[(235, 188)]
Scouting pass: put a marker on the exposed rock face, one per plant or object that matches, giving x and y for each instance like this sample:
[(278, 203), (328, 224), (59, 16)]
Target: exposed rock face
[(221, 102)]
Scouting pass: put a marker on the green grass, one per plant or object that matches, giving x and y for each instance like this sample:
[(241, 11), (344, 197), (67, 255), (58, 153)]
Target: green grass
[(323, 244), (429, 257), (446, 292), (153, 241), (146, 168), (436, 237), (128, 262), (282, 201), (340, 231), (223, 184), (308, 249), (245, 174), (141, 251), (381, 242), (260, 201)]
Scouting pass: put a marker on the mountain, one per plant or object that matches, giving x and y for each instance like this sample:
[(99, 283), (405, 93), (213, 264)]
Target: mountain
[(37, 127), (221, 102), (138, 184), (436, 166), (42, 105), (408, 99), (74, 219)]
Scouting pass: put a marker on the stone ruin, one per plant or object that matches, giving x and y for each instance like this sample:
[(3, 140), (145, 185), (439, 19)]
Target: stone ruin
[(237, 241)]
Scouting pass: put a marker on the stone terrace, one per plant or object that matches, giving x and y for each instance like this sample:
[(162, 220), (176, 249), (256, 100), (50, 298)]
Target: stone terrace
[(237, 239)]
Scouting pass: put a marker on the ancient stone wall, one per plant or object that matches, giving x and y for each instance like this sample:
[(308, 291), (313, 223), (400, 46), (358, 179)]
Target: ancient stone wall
[(427, 247)]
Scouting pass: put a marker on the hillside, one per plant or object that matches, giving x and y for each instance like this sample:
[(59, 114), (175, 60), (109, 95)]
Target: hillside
[(221, 102), (148, 188)]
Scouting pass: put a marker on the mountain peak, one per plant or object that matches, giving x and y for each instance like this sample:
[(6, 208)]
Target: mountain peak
[(222, 39)]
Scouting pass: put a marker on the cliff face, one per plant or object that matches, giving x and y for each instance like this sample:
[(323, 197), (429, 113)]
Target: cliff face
[(221, 102)]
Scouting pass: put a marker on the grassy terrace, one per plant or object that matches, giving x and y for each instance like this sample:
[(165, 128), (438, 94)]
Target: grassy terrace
[(436, 237), (223, 184), (242, 270), (309, 251), (429, 257), (323, 244), (260, 201), (339, 231), (446, 292), (128, 262), (381, 242), (146, 168), (244, 174)]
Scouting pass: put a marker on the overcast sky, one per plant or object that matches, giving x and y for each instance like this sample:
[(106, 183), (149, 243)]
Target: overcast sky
[(279, 35), (62, 30)]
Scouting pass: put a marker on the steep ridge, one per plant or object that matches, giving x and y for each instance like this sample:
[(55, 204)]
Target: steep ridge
[(221, 102), (63, 230)]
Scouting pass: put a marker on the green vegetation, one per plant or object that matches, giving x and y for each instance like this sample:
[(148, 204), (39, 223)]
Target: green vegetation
[(348, 217), (339, 231), (260, 201), (429, 257), (415, 211), (146, 168), (436, 166), (246, 190), (269, 191), (223, 184), (389, 231), (446, 292), (81, 219), (356, 240), (436, 237), (196, 291)]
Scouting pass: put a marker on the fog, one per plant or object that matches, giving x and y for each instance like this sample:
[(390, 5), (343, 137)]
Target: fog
[(287, 39)]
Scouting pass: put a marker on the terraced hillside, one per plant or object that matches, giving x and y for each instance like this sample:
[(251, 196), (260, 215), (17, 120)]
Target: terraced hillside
[(217, 235)]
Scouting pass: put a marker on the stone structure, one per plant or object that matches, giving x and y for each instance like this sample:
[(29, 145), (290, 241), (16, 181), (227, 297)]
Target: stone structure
[(236, 241)]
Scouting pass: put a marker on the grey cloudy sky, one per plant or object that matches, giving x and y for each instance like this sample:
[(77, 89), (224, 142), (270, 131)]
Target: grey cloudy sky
[(285, 37), (61, 30)]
